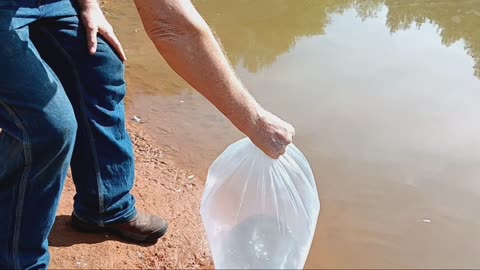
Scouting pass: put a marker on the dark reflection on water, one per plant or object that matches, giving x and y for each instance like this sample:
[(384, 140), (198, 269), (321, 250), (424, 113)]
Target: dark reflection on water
[(264, 30)]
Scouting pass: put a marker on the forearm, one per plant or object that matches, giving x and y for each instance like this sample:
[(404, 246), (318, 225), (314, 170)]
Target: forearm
[(190, 48), (201, 62)]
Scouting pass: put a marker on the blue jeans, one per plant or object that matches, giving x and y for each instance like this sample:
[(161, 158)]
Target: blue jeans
[(59, 106)]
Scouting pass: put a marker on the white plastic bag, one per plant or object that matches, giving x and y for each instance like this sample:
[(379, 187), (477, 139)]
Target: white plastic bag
[(259, 213)]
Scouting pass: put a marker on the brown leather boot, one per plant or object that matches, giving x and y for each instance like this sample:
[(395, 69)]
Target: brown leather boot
[(144, 228)]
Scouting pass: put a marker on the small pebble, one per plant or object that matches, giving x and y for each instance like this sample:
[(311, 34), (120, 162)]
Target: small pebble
[(426, 221), (456, 19), (137, 119)]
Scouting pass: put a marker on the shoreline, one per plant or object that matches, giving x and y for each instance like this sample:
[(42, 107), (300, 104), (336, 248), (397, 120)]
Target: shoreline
[(161, 188)]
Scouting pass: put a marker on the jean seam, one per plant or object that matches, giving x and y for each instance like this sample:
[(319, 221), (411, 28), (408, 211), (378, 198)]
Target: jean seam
[(96, 165), (23, 184)]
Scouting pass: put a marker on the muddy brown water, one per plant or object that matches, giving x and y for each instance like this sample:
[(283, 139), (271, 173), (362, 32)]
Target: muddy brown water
[(385, 97)]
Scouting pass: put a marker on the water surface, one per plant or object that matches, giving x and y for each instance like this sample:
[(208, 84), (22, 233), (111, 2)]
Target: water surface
[(384, 96)]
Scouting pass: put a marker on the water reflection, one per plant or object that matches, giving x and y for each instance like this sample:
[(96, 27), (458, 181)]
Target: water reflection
[(264, 30), (455, 20)]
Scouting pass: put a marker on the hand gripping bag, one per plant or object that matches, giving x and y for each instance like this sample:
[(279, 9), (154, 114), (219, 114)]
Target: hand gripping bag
[(259, 213)]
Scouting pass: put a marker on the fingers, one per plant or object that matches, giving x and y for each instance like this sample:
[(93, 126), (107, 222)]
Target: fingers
[(278, 154), (112, 39), (283, 142), (92, 39), (274, 155), (278, 148), (273, 135), (95, 23)]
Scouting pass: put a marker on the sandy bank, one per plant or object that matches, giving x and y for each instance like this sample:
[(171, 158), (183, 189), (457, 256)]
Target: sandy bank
[(161, 188)]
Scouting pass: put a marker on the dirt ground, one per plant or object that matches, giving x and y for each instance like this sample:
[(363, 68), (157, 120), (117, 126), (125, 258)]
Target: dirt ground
[(160, 189)]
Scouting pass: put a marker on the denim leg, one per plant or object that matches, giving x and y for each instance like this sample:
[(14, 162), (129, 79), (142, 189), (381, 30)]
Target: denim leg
[(103, 159), (36, 143)]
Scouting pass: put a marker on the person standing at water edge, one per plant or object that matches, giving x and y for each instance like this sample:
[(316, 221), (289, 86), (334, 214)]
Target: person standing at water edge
[(62, 101), (58, 103)]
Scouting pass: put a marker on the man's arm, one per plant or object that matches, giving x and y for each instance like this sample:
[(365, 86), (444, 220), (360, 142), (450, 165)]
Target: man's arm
[(188, 45)]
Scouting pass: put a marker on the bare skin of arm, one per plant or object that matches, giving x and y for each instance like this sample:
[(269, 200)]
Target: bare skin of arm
[(188, 45)]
